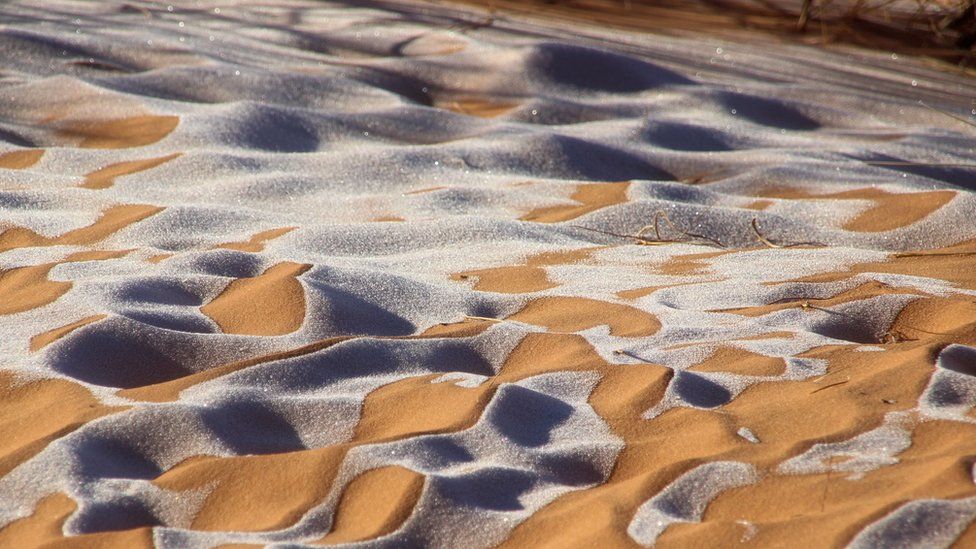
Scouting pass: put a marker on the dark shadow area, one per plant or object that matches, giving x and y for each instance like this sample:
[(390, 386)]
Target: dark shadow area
[(699, 391), (108, 353), (492, 489), (169, 321), (584, 68), (274, 130), (958, 359), (440, 451), (960, 176), (944, 393), (846, 327), (249, 427), (370, 357), (164, 291), (100, 457), (767, 112), (122, 513), (525, 416), (570, 470), (678, 136), (350, 314)]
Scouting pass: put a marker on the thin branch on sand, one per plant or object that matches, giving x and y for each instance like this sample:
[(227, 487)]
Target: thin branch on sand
[(801, 23), (642, 240), (484, 318), (949, 114), (834, 384), (761, 238), (828, 374), (688, 237), (918, 164), (661, 214), (631, 355), (895, 336), (806, 306)]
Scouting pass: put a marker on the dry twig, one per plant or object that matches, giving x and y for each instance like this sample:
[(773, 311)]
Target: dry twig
[(834, 384), (641, 240), (771, 244)]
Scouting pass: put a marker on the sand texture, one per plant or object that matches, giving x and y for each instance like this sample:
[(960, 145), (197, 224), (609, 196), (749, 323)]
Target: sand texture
[(306, 273)]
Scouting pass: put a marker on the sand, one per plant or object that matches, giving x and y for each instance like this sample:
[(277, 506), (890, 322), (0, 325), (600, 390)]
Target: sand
[(311, 273)]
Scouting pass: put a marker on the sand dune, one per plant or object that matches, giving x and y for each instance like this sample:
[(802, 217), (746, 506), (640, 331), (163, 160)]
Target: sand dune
[(312, 273)]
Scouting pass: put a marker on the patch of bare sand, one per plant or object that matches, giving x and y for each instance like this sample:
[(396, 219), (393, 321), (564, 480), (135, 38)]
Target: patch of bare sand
[(954, 264), (483, 107), (574, 314), (104, 178), (374, 504), (256, 492), (272, 303), (158, 258), (112, 220), (590, 196), (889, 210), (742, 362), (42, 340), (37, 412), (457, 408), (527, 277), (26, 288), (263, 492), (43, 528), (689, 264), (256, 242), (119, 133), (20, 160)]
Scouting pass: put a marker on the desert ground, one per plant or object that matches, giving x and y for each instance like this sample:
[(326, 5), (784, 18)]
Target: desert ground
[(300, 273)]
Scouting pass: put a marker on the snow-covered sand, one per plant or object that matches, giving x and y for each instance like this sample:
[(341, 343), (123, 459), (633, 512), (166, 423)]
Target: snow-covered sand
[(297, 272)]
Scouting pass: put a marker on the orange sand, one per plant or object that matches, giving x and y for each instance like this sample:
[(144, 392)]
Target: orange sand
[(256, 242), (21, 160), (591, 197), (890, 210), (135, 131), (272, 303), (105, 177)]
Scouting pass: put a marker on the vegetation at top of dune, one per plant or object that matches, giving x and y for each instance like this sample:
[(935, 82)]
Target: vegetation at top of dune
[(942, 29)]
